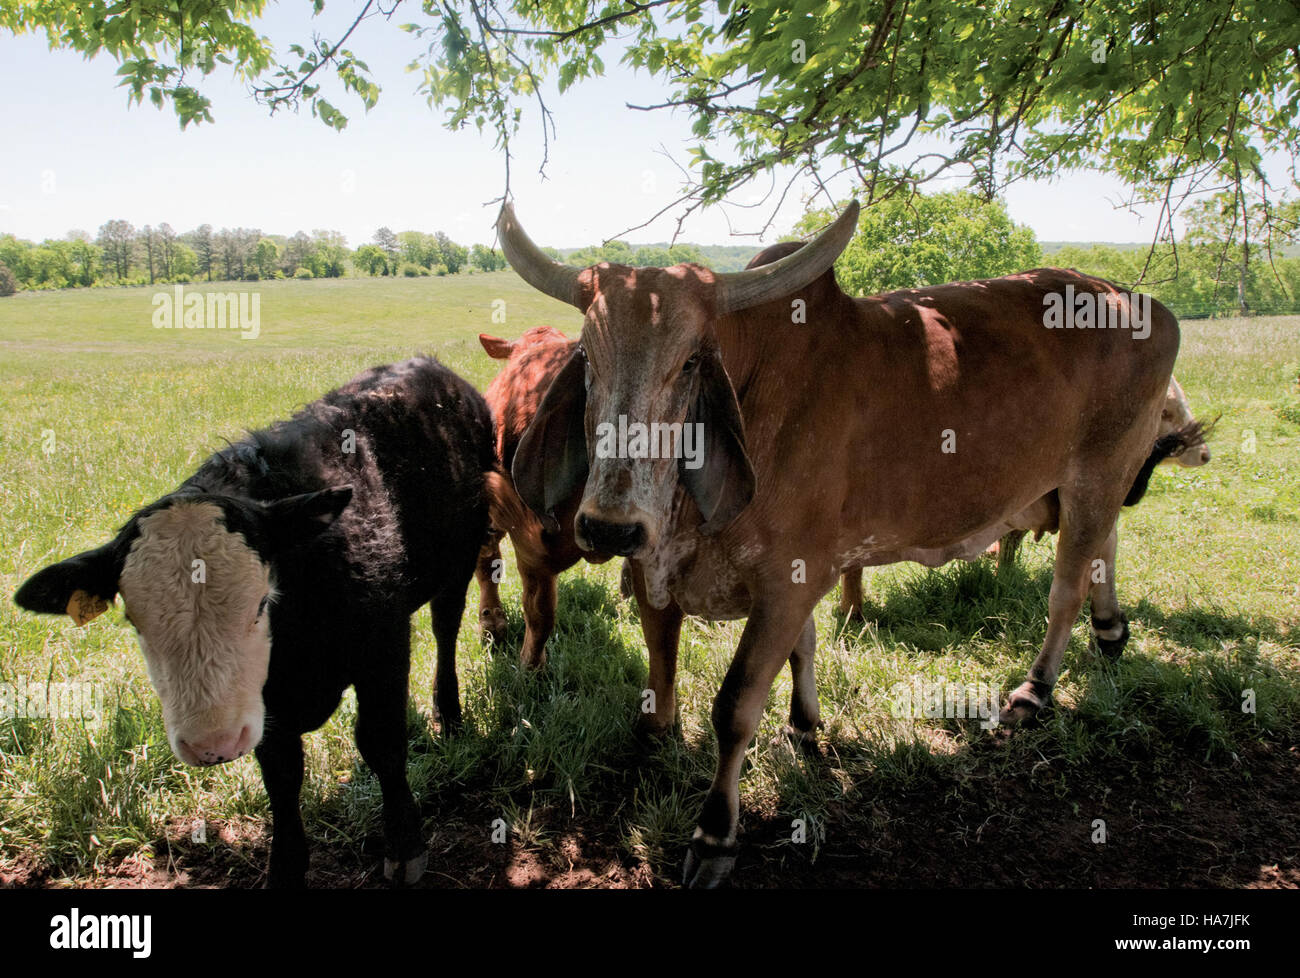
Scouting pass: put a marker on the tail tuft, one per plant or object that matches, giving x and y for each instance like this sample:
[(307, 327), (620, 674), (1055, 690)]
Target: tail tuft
[(505, 509), (1167, 446)]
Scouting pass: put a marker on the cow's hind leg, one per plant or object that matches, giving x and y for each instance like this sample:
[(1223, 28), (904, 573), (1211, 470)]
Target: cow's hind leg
[(491, 616), (1008, 547), (1109, 623), (381, 739), (765, 645), (851, 594), (446, 609), (1086, 528)]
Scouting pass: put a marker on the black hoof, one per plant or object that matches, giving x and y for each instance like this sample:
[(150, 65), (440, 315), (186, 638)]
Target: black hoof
[(1111, 648), (707, 866), (492, 626), (406, 872), (649, 736), (803, 741), (1031, 699)]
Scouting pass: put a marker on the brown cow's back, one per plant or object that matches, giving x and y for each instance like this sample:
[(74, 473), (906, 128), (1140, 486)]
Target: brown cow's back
[(885, 384)]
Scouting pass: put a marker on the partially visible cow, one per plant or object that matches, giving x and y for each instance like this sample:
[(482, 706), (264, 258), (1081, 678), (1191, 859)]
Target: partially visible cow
[(287, 568), (542, 551), (824, 420), (1189, 451)]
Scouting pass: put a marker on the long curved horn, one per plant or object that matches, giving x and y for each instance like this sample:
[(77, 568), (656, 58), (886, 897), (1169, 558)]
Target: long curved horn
[(740, 290), (556, 279)]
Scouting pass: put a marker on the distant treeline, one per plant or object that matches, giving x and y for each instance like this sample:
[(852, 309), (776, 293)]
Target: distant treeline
[(900, 243), (122, 254), (720, 258)]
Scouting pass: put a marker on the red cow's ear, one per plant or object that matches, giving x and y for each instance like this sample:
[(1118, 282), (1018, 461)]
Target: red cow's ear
[(497, 349)]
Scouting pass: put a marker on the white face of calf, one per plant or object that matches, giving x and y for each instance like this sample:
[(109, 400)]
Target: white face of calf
[(197, 595), (1177, 413), (195, 576)]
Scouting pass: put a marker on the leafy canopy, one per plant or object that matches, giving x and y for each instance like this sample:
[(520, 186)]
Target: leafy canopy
[(1172, 96)]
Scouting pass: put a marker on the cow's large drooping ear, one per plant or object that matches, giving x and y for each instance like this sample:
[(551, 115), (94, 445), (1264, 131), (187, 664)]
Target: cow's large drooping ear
[(722, 484), (81, 586), (296, 519), (550, 463)]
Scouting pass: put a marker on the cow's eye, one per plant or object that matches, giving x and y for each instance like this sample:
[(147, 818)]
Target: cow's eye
[(691, 363), (261, 608)]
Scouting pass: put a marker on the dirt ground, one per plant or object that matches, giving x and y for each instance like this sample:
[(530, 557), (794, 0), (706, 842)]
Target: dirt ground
[(1196, 826)]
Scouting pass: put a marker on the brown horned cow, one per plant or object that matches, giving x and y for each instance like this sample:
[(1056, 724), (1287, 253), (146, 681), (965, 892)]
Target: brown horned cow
[(1189, 451), (836, 432)]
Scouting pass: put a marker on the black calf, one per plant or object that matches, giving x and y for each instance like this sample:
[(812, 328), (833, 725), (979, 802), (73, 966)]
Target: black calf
[(414, 443)]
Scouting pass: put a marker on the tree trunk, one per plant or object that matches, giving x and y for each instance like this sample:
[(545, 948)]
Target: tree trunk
[(1241, 280)]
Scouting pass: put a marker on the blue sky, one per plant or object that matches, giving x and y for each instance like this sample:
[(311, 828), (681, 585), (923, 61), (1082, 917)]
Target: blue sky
[(77, 156)]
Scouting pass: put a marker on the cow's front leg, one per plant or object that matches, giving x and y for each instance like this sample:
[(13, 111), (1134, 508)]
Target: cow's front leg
[(539, 613), (805, 711), (662, 628), (280, 757), (765, 645), (381, 739)]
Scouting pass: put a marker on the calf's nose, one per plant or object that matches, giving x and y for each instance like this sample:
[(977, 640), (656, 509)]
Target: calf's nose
[(217, 748), (611, 537)]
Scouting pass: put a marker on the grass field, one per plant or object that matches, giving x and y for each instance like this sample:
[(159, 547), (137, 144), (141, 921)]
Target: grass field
[(102, 413)]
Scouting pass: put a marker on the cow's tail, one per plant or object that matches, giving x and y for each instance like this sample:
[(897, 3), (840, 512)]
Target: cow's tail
[(506, 510), (1167, 446)]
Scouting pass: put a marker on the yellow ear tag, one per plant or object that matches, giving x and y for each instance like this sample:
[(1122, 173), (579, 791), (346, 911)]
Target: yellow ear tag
[(83, 607)]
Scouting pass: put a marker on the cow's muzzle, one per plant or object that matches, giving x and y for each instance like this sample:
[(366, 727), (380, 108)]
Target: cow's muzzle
[(606, 536)]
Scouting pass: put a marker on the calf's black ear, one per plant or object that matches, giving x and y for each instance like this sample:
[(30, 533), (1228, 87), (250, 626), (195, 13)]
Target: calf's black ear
[(723, 483), (82, 586), (296, 519), (550, 464)]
